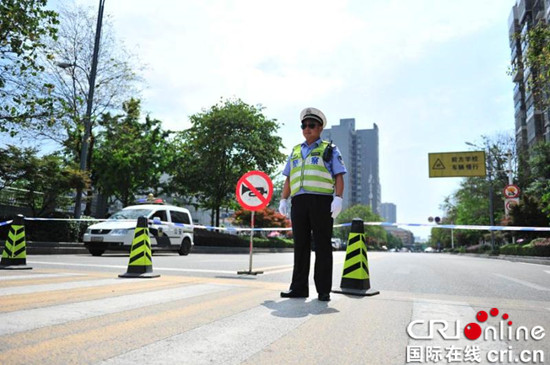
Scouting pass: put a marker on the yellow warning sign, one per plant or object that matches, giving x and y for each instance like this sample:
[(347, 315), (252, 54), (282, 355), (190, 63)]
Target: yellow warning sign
[(457, 164)]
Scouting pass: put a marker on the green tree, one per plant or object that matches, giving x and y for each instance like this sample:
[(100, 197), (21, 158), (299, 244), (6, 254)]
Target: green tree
[(131, 156), (534, 207), (225, 141), (540, 169), (528, 213), (24, 25), (70, 73), (394, 242), (44, 182), (376, 234), (469, 205)]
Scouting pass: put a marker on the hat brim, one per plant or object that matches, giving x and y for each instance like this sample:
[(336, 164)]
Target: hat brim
[(314, 117)]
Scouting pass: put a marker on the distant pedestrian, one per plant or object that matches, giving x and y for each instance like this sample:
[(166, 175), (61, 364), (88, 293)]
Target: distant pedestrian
[(315, 181)]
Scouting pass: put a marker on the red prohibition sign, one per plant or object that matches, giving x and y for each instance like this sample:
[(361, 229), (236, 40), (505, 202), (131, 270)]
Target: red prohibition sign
[(254, 190)]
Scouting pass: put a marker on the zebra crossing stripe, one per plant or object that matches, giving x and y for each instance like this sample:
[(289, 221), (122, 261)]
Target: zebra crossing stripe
[(30, 319), (228, 334)]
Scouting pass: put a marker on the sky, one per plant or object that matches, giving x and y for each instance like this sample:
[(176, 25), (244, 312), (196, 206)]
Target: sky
[(432, 74)]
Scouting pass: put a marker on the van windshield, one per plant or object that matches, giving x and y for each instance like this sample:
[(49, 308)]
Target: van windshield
[(131, 214)]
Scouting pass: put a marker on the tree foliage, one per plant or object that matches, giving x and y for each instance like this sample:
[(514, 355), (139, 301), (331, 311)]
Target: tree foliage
[(44, 182), (376, 234), (469, 205), (115, 82), (69, 74), (24, 26), (534, 207), (225, 141), (130, 156)]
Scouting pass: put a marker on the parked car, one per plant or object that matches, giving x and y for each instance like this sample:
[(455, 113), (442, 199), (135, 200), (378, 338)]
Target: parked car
[(336, 244), (170, 229)]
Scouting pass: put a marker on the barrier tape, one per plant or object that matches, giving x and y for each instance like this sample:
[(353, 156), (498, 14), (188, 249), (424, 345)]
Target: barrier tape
[(462, 226), (382, 224), (66, 219)]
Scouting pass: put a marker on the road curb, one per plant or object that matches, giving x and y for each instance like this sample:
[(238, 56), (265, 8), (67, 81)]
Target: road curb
[(75, 248), (526, 259)]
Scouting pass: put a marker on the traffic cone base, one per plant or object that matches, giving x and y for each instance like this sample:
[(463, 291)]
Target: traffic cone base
[(14, 256), (141, 263), (356, 276)]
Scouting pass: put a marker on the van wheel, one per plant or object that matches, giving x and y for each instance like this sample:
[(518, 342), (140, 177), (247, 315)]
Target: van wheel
[(185, 247), (96, 251)]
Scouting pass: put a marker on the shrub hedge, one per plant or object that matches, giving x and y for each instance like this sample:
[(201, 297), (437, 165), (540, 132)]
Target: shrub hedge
[(537, 247), (49, 231), (205, 237)]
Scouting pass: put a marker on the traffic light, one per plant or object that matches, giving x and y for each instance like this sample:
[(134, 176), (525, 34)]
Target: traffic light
[(437, 220)]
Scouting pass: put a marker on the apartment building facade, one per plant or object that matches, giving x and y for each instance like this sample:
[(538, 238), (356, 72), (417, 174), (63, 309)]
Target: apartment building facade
[(388, 211), (532, 119), (359, 150)]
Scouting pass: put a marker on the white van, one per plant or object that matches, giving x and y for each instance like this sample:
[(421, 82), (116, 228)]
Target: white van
[(170, 228)]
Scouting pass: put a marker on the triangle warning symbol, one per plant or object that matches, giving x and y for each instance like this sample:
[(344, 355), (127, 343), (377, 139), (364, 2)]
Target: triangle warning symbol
[(438, 165)]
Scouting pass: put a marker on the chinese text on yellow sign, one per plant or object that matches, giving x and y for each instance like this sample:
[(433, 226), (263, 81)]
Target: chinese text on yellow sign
[(457, 164)]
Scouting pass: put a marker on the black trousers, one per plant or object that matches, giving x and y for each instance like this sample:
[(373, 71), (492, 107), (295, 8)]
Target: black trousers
[(311, 220)]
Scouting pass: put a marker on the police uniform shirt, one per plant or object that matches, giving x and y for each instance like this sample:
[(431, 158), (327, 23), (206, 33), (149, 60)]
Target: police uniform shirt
[(335, 166)]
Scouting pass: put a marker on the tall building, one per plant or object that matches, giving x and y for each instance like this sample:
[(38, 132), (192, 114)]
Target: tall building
[(359, 149), (532, 121), (388, 211)]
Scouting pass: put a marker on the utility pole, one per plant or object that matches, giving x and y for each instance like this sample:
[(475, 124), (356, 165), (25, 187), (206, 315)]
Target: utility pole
[(89, 104)]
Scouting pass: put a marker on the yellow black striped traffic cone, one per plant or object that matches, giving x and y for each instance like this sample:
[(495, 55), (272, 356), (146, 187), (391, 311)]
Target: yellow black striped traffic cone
[(141, 263), (14, 256), (356, 277)]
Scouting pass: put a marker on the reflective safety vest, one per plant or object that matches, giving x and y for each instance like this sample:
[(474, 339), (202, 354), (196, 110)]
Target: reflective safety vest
[(310, 173)]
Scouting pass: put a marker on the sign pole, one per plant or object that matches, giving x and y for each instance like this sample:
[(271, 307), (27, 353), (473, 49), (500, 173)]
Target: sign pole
[(254, 190), (250, 272), (251, 240)]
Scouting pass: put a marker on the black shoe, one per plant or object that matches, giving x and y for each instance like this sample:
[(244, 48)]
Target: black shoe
[(324, 297), (294, 294)]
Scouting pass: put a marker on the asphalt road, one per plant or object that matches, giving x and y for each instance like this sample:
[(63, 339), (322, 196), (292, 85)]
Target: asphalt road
[(74, 309)]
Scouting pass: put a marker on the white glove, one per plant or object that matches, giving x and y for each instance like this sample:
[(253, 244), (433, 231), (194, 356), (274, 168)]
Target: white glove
[(283, 207), (336, 206)]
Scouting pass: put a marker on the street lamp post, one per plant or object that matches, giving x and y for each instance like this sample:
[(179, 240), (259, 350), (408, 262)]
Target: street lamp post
[(89, 104), (489, 167)]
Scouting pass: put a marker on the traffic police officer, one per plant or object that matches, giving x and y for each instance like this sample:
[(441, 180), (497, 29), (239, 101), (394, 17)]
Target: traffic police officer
[(315, 181)]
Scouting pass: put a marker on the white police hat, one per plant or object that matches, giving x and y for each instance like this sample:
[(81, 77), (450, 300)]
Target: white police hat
[(313, 113)]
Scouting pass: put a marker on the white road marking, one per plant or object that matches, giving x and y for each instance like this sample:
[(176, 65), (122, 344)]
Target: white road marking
[(124, 267), (26, 320), (287, 268), (236, 338), (26, 289), (523, 282), (37, 276)]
